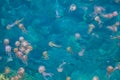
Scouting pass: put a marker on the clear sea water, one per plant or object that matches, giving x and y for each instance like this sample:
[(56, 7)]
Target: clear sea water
[(52, 20)]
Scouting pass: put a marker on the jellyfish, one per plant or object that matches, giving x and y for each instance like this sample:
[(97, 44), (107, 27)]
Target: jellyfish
[(51, 44), (77, 36), (42, 70), (112, 28), (115, 37), (73, 7), (81, 53), (110, 69), (27, 51), (9, 26), (22, 27), (19, 54), (22, 49), (58, 10), (95, 78), (16, 50), (6, 41), (69, 49), (98, 10), (60, 68), (30, 47), (97, 19), (17, 43), (91, 27), (115, 13), (57, 14), (45, 55), (24, 43), (108, 16), (21, 39), (20, 72), (9, 52), (68, 78), (7, 70), (24, 59)]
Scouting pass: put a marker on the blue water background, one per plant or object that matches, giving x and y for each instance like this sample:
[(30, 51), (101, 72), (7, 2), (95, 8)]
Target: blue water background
[(43, 26)]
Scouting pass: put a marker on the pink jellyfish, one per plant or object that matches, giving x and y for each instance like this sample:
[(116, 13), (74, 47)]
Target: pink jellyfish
[(8, 51), (19, 54), (112, 28), (42, 70), (115, 13)]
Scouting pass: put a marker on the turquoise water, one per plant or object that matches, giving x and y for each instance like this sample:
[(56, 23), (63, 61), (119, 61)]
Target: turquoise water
[(62, 29)]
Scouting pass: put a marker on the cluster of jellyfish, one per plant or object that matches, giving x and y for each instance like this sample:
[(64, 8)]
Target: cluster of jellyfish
[(21, 50)]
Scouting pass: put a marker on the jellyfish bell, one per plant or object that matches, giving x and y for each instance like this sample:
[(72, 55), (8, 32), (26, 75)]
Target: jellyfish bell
[(110, 69), (68, 78), (27, 51), (77, 35), (30, 47), (22, 27), (8, 49), (16, 50), (98, 9), (21, 38), (97, 18), (115, 13), (73, 7), (95, 78), (69, 49), (41, 69), (19, 54), (25, 57), (6, 41), (24, 43), (45, 55), (59, 69), (17, 43), (22, 49), (21, 71)]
